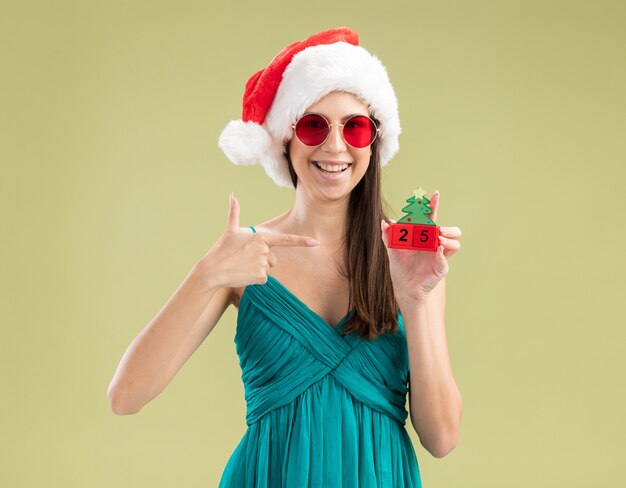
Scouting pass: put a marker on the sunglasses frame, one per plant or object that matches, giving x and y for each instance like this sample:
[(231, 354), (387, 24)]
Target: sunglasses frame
[(293, 126)]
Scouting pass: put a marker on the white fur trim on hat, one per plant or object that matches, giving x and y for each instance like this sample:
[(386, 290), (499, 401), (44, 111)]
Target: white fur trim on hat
[(243, 142), (248, 143)]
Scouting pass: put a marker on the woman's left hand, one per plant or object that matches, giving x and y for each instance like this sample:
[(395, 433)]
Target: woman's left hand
[(416, 273)]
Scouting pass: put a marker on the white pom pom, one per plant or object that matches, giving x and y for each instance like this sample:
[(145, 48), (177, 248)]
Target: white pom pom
[(244, 143)]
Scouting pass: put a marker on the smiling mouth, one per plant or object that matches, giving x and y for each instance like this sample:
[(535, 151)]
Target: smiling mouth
[(331, 168)]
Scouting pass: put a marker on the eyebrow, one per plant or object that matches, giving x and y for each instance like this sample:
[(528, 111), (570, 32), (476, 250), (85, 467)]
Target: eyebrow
[(352, 115), (344, 119)]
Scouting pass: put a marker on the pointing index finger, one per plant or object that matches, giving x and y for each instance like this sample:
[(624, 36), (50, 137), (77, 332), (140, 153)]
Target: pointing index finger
[(288, 240)]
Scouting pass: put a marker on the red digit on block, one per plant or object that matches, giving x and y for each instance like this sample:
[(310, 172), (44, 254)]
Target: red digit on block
[(414, 236)]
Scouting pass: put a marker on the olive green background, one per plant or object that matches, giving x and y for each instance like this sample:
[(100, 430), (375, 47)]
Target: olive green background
[(112, 186)]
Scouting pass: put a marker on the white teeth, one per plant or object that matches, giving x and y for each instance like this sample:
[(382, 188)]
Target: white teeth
[(333, 168)]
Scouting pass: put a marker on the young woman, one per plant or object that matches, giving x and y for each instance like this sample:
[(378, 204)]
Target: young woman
[(333, 328)]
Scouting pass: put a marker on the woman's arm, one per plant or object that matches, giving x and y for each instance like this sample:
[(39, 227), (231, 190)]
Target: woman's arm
[(163, 346), (238, 258), (435, 402)]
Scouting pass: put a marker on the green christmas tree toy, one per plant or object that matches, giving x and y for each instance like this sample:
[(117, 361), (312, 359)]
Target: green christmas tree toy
[(415, 230)]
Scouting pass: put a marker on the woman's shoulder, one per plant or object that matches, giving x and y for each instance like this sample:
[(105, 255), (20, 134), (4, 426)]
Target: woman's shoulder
[(272, 226)]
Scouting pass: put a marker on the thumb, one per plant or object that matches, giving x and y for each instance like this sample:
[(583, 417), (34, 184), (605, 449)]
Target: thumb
[(434, 205), (233, 216)]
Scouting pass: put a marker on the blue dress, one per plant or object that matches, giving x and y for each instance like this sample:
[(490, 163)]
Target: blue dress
[(323, 409)]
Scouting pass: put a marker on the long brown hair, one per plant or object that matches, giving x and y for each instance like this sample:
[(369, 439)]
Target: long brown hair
[(366, 264)]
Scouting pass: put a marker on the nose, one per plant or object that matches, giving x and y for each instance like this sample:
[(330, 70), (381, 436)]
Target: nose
[(334, 143)]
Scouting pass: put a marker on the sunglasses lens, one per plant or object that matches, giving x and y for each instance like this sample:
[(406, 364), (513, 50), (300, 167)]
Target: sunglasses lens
[(359, 131), (312, 130)]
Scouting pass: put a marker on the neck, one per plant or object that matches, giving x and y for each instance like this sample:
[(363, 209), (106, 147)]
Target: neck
[(324, 220)]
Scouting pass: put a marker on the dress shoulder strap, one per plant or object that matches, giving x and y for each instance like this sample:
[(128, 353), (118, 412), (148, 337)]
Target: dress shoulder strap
[(253, 229)]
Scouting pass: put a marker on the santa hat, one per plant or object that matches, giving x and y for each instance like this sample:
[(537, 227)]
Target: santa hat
[(298, 76)]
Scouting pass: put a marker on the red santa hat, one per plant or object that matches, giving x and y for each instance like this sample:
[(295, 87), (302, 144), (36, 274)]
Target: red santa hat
[(298, 76)]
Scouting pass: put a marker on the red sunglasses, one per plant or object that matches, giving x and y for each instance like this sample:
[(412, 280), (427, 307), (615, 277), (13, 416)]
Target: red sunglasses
[(313, 129)]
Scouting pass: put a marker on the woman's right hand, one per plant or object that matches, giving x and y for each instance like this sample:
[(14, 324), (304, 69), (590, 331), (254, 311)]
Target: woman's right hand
[(240, 257)]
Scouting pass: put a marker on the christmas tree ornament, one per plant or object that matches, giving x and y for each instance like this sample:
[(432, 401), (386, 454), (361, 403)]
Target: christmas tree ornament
[(415, 230)]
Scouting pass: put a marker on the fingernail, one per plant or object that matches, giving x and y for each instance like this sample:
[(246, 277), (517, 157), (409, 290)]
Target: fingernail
[(231, 198), (312, 242)]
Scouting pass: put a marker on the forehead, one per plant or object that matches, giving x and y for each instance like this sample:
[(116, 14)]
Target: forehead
[(339, 103)]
